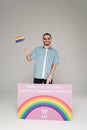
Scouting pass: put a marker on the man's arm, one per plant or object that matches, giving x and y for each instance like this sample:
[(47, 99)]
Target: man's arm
[(27, 54), (51, 74)]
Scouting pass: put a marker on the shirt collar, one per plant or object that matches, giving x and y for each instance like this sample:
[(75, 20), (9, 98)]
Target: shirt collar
[(48, 48)]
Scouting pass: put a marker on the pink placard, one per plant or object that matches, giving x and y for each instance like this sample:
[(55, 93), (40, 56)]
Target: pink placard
[(45, 101)]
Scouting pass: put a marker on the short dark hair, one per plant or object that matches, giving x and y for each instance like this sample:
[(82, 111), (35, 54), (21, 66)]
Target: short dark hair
[(47, 34)]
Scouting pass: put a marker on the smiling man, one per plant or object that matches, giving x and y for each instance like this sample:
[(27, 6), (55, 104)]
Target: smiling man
[(46, 59)]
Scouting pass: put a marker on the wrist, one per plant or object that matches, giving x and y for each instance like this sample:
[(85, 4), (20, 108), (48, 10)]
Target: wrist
[(26, 55), (50, 76)]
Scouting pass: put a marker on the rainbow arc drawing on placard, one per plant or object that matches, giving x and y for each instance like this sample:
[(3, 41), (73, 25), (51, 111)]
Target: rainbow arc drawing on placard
[(44, 100)]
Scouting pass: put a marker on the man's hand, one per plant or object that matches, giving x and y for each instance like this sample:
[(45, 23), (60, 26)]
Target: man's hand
[(26, 52), (51, 74), (49, 79)]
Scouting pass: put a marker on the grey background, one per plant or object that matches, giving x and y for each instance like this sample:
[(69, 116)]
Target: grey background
[(66, 20)]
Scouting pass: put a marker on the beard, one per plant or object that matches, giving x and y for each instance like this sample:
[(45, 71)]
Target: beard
[(46, 43)]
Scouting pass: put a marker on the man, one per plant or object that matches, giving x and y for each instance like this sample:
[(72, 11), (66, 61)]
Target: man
[(46, 59)]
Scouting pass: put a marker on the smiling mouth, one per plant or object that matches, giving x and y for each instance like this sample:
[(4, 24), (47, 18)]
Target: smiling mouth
[(47, 43)]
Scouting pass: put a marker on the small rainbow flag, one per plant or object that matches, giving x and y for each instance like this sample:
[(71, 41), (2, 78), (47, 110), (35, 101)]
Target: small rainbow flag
[(19, 39)]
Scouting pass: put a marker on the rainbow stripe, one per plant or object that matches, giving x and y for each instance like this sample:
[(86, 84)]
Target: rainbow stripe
[(19, 39), (49, 101)]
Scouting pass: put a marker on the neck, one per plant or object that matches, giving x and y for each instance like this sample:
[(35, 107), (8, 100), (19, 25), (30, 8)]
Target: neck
[(46, 47)]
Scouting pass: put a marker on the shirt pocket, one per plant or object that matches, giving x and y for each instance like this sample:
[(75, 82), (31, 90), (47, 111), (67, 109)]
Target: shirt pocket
[(40, 56)]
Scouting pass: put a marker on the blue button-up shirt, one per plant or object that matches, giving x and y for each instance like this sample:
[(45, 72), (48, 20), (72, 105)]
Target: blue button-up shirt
[(40, 55)]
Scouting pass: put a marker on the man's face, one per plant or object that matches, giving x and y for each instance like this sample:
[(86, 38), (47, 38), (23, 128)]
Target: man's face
[(47, 40)]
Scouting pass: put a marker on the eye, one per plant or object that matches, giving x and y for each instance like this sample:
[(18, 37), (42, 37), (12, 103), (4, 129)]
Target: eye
[(44, 38), (48, 38)]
